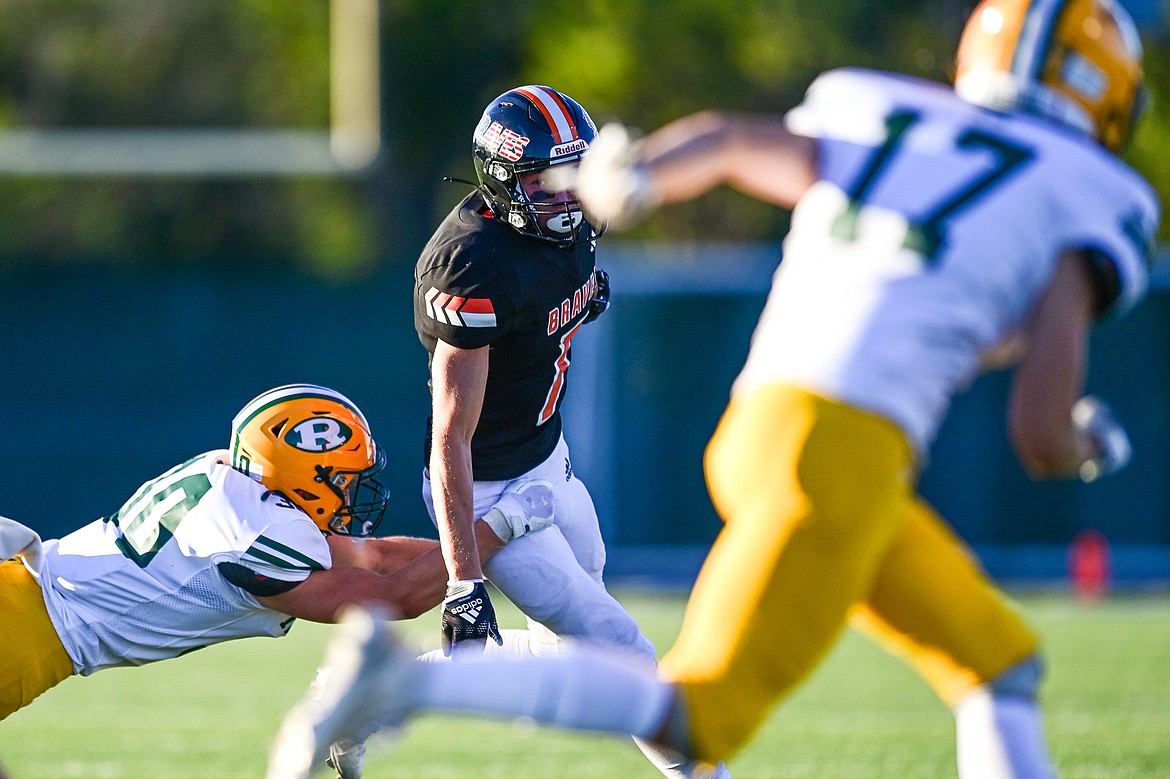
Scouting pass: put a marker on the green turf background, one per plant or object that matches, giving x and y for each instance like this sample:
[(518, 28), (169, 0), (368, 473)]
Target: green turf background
[(861, 716)]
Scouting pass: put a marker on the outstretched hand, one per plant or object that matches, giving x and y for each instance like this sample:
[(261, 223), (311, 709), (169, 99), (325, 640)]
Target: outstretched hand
[(612, 186)]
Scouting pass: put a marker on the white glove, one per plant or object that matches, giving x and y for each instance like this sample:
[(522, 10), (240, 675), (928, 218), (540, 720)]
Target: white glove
[(1093, 418), (525, 508), (611, 185)]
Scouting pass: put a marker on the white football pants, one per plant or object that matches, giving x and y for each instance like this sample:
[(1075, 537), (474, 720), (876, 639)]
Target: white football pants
[(555, 576)]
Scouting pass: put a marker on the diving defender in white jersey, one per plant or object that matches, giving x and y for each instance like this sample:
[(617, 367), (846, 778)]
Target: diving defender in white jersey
[(232, 543), (933, 230)]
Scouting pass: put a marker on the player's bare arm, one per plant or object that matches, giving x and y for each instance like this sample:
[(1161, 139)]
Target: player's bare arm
[(755, 154), (380, 555), (1050, 377), (410, 590), (458, 380), (619, 181)]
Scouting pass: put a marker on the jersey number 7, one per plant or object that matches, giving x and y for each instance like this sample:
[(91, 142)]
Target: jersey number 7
[(927, 234), (561, 366)]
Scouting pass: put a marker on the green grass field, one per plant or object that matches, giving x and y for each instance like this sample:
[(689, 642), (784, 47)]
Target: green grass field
[(861, 716)]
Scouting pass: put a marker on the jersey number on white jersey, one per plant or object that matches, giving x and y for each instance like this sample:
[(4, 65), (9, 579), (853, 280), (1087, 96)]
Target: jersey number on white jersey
[(148, 520)]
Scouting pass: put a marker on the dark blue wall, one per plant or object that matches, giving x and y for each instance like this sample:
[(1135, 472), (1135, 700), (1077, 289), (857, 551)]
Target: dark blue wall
[(111, 377)]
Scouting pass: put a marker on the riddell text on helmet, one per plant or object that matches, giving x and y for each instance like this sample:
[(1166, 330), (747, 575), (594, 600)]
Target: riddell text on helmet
[(572, 147)]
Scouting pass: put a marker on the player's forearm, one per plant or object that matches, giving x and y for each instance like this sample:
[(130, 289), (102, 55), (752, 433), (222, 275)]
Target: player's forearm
[(381, 555), (420, 585), (453, 491), (411, 589), (1051, 377), (458, 383), (755, 154)]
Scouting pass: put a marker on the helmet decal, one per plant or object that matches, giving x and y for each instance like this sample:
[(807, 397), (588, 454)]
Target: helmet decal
[(555, 112), (322, 434), (504, 142)]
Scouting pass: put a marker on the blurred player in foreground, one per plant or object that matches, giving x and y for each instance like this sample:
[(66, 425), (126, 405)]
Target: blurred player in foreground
[(230, 544), (931, 228), (501, 291)]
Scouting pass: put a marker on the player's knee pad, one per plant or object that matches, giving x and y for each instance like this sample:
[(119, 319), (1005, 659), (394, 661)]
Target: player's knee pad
[(1020, 680)]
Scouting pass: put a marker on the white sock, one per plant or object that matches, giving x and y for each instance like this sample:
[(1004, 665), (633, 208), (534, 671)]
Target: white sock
[(1001, 737), (517, 644), (520, 644), (582, 689)]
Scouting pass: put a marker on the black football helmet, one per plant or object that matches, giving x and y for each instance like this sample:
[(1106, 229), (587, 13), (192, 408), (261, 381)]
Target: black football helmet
[(528, 129)]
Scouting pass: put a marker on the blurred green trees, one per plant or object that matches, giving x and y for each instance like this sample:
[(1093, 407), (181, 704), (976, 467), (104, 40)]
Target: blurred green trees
[(264, 64)]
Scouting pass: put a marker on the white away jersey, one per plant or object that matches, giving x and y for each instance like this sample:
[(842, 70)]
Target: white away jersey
[(145, 584), (931, 231)]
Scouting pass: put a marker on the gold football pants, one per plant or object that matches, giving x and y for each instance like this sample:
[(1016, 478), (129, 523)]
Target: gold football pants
[(32, 658), (822, 523)]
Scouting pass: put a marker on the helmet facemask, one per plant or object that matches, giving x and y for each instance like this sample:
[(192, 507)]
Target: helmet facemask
[(561, 222), (363, 498)]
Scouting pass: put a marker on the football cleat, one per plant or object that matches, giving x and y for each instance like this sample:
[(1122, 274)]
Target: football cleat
[(371, 683), (347, 756)]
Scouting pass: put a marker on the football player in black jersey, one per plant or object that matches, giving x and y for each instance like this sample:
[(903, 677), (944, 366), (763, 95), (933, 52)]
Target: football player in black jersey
[(501, 289)]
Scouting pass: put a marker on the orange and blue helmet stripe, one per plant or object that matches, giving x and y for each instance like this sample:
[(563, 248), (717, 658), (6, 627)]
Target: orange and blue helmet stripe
[(549, 102)]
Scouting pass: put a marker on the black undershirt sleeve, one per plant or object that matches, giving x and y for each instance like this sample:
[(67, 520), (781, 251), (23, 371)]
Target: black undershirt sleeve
[(248, 580), (1104, 278)]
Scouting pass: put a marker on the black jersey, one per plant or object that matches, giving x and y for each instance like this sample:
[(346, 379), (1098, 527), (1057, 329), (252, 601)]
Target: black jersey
[(479, 282)]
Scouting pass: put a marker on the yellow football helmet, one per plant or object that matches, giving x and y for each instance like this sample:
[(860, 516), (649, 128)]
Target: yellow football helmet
[(313, 446), (1075, 61)]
